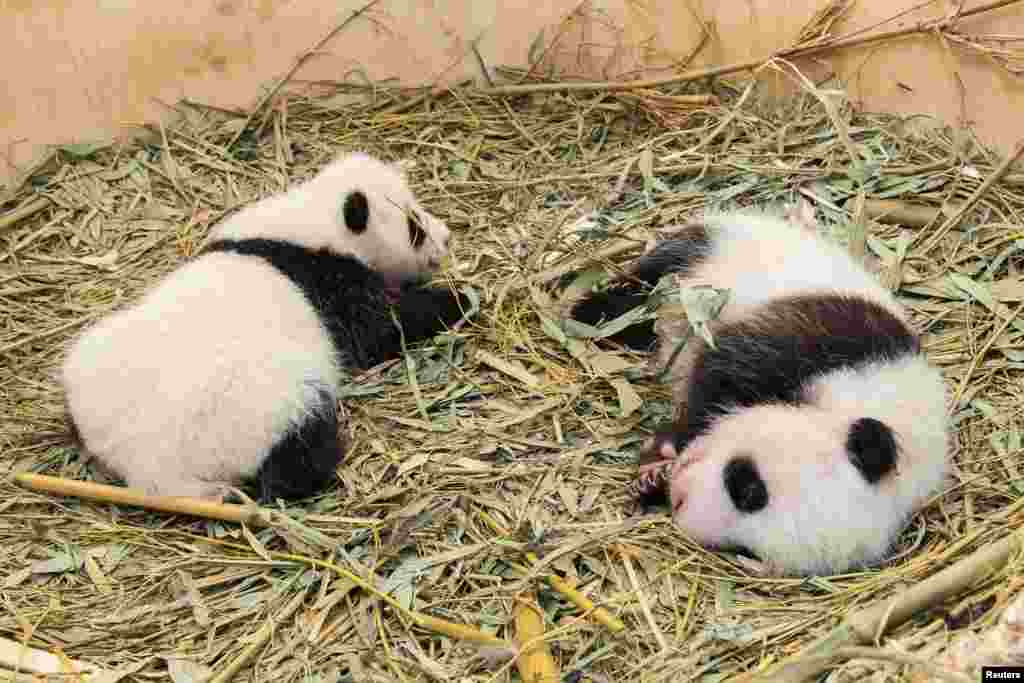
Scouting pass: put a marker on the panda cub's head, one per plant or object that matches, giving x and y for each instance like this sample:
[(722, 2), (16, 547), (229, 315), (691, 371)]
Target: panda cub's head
[(804, 489), (815, 488), (356, 205)]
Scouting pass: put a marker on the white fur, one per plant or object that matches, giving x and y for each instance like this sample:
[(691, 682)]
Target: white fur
[(189, 388), (822, 516), (762, 257)]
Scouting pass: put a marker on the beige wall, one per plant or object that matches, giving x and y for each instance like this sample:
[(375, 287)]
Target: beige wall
[(79, 71)]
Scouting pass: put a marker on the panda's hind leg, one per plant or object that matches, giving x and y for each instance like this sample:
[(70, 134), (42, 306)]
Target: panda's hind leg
[(678, 254), (303, 462), (610, 304)]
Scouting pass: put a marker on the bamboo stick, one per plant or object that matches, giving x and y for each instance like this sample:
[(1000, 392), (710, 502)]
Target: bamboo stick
[(871, 623), (120, 495), (535, 663)]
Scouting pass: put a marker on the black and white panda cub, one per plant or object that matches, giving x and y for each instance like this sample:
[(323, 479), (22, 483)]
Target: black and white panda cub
[(815, 427), (228, 370)]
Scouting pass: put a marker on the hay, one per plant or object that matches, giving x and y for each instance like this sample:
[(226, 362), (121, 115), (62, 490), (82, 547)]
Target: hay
[(508, 424)]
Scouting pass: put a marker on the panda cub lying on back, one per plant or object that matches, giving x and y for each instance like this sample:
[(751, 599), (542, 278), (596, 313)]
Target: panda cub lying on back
[(815, 427), (229, 369)]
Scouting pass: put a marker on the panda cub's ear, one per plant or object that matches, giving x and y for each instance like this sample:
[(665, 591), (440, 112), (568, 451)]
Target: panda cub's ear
[(871, 447), (356, 211)]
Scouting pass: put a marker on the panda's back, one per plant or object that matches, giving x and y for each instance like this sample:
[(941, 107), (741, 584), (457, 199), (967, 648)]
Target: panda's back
[(760, 259)]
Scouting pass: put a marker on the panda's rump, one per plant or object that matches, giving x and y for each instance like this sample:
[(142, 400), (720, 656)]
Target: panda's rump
[(246, 404), (241, 359)]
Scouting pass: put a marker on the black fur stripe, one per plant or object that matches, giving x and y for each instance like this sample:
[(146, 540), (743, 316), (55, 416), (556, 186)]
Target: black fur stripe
[(770, 357), (350, 299), (346, 294)]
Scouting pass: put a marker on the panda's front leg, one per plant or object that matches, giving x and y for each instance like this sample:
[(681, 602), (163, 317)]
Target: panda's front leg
[(424, 312)]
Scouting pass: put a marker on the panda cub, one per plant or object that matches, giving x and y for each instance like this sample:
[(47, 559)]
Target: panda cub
[(815, 427), (228, 370)]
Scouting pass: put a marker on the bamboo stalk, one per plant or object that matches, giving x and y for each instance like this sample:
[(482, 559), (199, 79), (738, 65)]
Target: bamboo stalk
[(893, 211), (871, 623), (120, 495), (16, 657), (601, 615), (534, 661), (229, 512)]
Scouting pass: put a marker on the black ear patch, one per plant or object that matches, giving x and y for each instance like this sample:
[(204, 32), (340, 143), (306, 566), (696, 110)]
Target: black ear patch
[(356, 211), (417, 235), (871, 447), (744, 484)]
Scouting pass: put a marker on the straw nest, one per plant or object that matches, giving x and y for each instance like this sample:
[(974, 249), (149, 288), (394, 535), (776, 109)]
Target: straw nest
[(506, 420)]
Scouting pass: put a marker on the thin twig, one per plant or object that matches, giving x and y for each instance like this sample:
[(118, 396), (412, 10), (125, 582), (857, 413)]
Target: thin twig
[(298, 64), (966, 207), (709, 72), (645, 606), (566, 20), (259, 640), (12, 218), (45, 333), (868, 624), (599, 614), (480, 61), (976, 361), (413, 102)]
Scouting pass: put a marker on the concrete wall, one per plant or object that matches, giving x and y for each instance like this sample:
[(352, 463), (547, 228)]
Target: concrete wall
[(77, 70)]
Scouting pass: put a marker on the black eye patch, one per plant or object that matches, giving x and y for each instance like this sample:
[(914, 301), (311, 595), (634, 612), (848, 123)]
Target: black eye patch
[(356, 211), (871, 447), (744, 484), (417, 235)]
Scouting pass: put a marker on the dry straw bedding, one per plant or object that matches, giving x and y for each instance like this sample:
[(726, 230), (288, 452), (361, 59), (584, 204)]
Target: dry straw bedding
[(505, 417)]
